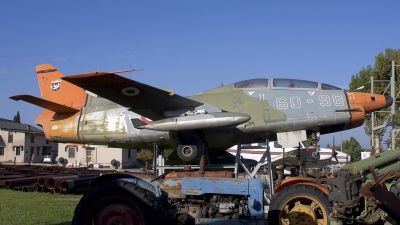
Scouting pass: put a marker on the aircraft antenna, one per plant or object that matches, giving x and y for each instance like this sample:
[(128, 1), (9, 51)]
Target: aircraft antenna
[(130, 73)]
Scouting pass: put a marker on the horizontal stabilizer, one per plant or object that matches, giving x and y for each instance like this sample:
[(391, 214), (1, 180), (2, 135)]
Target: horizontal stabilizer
[(52, 106)]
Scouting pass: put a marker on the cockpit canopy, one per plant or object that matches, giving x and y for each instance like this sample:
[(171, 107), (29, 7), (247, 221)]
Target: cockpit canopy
[(283, 83)]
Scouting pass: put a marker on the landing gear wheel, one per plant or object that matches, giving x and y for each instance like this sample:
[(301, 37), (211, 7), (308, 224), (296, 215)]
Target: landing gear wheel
[(187, 152), (116, 202), (313, 156), (300, 204)]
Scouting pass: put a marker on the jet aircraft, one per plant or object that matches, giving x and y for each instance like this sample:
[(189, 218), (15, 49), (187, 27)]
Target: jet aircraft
[(109, 109)]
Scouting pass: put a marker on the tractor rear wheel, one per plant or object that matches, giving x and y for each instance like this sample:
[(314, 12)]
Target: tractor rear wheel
[(116, 202), (300, 204)]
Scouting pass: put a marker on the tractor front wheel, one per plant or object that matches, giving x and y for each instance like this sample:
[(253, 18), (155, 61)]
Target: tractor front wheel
[(300, 204)]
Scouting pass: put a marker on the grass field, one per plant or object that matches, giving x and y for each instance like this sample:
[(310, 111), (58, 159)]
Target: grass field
[(36, 208)]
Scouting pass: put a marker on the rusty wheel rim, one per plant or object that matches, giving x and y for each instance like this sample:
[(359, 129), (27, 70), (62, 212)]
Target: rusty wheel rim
[(304, 210), (120, 212)]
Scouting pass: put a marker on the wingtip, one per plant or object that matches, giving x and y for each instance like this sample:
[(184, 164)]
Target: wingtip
[(17, 97)]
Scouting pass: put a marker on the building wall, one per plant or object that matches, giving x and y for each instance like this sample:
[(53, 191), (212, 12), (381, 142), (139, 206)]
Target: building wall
[(10, 150), (96, 154), (24, 143), (40, 147)]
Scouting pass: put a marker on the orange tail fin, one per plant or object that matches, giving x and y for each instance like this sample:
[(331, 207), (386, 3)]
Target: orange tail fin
[(60, 99), (54, 89)]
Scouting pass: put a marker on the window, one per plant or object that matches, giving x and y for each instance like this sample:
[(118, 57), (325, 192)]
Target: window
[(47, 142), (329, 87), (38, 151), (253, 83), (276, 145), (293, 83), (71, 152), (17, 151), (10, 137), (129, 153), (1, 150), (32, 139), (31, 150)]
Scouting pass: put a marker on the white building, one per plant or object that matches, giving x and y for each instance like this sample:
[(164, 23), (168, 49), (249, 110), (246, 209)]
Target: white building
[(79, 155), (20, 142)]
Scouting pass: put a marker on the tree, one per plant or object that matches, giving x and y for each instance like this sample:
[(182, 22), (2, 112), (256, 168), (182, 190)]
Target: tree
[(353, 148), (310, 141), (17, 118), (147, 157), (382, 70)]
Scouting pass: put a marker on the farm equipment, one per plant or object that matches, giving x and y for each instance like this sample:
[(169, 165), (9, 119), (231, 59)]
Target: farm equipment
[(366, 192)]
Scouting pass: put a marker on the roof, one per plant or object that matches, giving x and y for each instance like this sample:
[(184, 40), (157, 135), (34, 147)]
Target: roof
[(18, 127)]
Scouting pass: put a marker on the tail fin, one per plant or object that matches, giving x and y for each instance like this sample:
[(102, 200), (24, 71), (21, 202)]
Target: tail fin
[(60, 98), (56, 90)]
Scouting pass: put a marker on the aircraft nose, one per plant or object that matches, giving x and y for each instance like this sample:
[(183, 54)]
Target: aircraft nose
[(348, 158), (373, 102), (388, 100)]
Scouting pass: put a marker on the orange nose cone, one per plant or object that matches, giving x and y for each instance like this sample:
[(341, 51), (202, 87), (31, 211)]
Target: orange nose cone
[(371, 102)]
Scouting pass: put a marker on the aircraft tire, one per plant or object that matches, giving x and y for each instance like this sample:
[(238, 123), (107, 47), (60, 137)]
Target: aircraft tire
[(314, 207), (116, 201), (311, 158), (187, 152)]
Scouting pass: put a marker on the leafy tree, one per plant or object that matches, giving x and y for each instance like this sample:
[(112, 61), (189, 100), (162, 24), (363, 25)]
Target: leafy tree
[(168, 152), (382, 70), (17, 118), (309, 141), (147, 157), (353, 148)]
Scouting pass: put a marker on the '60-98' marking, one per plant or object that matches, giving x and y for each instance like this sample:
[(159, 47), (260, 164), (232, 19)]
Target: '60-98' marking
[(295, 101)]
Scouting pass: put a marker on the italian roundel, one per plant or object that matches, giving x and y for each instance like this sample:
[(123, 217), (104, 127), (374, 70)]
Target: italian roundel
[(130, 91)]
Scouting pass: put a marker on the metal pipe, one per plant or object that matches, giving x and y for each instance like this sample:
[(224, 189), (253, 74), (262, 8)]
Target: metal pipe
[(53, 181), (57, 190), (41, 181), (377, 161), (37, 188), (15, 182), (77, 183), (25, 187), (9, 177), (28, 189)]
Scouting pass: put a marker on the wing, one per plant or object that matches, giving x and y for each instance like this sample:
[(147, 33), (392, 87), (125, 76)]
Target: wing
[(145, 100)]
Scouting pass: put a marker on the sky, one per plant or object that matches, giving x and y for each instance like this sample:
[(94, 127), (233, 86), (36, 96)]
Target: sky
[(192, 46)]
